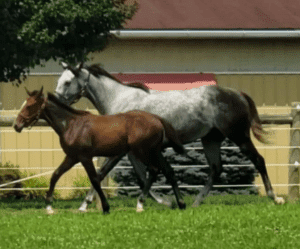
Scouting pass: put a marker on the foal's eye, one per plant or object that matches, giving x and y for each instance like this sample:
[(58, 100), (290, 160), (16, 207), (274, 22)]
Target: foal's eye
[(68, 83)]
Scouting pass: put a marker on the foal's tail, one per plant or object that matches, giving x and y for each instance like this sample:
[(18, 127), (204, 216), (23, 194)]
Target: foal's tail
[(172, 137), (259, 133)]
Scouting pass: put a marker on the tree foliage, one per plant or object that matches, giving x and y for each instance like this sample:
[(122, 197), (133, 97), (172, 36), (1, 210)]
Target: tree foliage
[(34, 31)]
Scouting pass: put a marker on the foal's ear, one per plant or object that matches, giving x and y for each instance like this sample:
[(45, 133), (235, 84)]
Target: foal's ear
[(27, 91), (64, 65), (79, 66)]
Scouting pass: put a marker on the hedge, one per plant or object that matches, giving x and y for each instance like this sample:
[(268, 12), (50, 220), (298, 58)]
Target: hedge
[(238, 175)]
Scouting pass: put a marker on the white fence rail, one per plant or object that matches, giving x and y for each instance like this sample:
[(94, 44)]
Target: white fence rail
[(79, 166)]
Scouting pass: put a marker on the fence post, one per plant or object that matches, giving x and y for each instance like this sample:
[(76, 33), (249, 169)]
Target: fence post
[(104, 183), (0, 127), (294, 160)]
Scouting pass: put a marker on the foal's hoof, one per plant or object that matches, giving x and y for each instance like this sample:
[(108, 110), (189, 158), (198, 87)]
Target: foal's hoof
[(105, 209), (83, 207), (49, 210), (82, 210), (279, 200), (139, 207), (139, 210), (105, 212), (182, 205)]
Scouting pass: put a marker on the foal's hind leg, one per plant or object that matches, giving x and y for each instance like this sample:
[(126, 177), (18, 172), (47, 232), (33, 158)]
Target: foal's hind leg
[(63, 168), (212, 152), (141, 171), (248, 148), (169, 174), (141, 199), (90, 169)]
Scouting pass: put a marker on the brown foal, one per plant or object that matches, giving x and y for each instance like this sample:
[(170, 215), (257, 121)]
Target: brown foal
[(84, 136)]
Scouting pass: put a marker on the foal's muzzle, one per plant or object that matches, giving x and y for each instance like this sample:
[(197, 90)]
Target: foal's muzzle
[(18, 128)]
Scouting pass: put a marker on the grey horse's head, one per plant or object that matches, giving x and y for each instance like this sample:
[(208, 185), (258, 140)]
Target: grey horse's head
[(71, 83)]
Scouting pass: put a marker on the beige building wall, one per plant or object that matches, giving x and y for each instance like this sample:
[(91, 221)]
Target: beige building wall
[(195, 55)]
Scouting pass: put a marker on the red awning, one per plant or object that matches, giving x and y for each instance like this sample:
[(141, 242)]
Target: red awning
[(169, 81)]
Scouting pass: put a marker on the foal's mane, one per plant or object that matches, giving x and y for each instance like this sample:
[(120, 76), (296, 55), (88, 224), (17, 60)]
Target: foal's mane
[(52, 98), (97, 70)]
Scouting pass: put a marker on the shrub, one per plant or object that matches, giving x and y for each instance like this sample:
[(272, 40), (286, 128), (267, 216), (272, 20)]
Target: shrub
[(40, 182), (8, 175), (238, 175), (81, 182), (84, 181)]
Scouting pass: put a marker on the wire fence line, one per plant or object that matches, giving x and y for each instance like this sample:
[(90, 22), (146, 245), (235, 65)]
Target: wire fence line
[(79, 166), (188, 148), (173, 166), (155, 187), (137, 187)]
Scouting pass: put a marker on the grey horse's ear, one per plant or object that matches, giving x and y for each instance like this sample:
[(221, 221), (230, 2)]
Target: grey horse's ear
[(64, 65), (79, 66)]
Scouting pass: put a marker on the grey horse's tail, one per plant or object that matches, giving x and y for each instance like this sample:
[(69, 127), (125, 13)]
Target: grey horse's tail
[(259, 133), (172, 137)]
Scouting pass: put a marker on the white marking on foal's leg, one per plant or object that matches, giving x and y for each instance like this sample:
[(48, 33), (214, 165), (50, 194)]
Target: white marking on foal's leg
[(49, 210), (279, 200), (88, 199), (139, 207), (83, 207)]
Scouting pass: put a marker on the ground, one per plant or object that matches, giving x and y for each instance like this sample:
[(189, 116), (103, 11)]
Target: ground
[(229, 221)]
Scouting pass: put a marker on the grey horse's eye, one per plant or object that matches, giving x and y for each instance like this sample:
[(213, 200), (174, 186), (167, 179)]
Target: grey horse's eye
[(68, 83)]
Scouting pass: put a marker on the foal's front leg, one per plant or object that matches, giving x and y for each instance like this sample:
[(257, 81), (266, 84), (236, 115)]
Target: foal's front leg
[(109, 164), (67, 164), (90, 170)]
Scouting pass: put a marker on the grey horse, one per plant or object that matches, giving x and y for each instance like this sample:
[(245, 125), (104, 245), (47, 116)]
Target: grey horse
[(211, 113)]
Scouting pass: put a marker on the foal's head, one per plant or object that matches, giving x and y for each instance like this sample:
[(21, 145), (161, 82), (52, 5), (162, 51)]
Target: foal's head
[(30, 110)]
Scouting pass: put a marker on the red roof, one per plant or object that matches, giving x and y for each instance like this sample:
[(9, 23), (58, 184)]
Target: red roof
[(216, 14), (169, 81)]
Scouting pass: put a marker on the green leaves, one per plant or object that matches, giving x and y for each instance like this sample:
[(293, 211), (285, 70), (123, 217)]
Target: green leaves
[(36, 30)]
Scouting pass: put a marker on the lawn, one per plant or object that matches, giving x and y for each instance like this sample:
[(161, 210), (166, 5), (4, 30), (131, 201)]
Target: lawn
[(221, 222)]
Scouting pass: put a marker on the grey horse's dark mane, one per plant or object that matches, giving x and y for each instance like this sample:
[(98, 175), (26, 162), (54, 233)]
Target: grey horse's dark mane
[(54, 99), (97, 70)]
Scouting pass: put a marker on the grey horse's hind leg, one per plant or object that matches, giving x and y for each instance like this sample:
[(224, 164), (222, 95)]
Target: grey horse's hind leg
[(212, 152), (141, 171), (248, 149)]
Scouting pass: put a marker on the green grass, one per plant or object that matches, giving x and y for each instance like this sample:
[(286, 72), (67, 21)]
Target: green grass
[(221, 222)]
